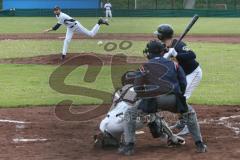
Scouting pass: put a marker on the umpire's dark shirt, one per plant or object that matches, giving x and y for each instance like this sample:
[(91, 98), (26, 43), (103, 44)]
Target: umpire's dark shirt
[(186, 58), (164, 73)]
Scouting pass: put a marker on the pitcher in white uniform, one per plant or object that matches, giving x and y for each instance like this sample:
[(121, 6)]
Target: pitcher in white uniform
[(72, 26)]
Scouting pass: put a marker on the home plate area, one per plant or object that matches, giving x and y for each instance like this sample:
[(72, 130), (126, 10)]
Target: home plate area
[(35, 133)]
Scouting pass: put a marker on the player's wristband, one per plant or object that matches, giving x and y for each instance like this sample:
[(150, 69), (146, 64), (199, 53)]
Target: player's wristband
[(56, 27)]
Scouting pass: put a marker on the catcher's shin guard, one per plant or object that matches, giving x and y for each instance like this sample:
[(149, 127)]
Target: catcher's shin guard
[(192, 124)]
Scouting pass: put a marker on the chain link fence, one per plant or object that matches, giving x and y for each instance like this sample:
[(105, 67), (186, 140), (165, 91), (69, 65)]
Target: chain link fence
[(175, 4), (146, 8), (1, 4)]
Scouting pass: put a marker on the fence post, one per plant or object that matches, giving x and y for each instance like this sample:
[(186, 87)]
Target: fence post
[(172, 3), (207, 4), (235, 4), (1, 4)]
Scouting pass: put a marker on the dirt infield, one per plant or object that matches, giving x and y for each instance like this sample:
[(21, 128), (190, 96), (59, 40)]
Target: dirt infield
[(121, 36), (35, 133), (54, 59)]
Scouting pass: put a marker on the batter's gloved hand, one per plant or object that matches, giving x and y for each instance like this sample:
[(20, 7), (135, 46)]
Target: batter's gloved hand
[(173, 52), (167, 55)]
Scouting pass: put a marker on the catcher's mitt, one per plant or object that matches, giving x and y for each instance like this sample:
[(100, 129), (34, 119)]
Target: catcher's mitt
[(104, 140)]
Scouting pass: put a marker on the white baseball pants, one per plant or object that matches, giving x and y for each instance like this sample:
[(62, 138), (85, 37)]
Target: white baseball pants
[(80, 29), (113, 123), (108, 13), (193, 80)]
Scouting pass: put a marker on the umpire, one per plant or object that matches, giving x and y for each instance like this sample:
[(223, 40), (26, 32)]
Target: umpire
[(160, 87)]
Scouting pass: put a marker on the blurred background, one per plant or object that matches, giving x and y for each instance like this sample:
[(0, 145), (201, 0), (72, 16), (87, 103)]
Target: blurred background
[(121, 8)]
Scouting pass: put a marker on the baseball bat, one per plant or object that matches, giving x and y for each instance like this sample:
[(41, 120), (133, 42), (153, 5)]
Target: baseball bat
[(190, 25)]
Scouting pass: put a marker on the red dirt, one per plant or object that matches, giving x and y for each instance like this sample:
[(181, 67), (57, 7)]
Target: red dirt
[(121, 36), (73, 140), (54, 59)]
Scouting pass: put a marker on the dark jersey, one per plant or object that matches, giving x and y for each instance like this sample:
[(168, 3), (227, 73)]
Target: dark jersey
[(164, 73), (186, 58)]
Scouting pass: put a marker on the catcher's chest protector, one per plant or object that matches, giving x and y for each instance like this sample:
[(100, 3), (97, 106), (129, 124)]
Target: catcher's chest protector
[(127, 94)]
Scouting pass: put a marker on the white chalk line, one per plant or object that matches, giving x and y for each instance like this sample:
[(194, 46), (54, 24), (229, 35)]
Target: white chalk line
[(221, 121), (13, 121), (230, 117), (227, 137), (224, 121), (139, 132), (19, 140), (20, 125)]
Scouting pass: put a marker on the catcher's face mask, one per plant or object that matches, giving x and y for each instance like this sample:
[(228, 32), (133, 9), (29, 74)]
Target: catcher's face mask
[(154, 48)]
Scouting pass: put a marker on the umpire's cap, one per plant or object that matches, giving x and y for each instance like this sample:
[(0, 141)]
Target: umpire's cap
[(164, 31)]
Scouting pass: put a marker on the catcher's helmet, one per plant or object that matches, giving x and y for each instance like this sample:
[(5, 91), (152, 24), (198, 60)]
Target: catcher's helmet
[(164, 31), (154, 48)]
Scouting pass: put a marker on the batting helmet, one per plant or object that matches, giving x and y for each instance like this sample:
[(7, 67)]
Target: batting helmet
[(164, 31)]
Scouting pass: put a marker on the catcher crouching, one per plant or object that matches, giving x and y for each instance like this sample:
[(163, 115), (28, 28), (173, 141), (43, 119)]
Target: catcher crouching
[(159, 85)]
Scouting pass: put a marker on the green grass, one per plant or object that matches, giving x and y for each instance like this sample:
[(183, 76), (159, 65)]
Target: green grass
[(26, 48), (220, 84), (28, 84), (23, 85), (220, 26)]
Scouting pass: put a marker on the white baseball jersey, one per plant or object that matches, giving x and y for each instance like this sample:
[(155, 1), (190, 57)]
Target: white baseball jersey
[(108, 6), (65, 19), (74, 26)]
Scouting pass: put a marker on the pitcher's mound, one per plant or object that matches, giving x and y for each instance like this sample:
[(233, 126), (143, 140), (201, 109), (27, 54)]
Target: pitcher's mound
[(55, 59)]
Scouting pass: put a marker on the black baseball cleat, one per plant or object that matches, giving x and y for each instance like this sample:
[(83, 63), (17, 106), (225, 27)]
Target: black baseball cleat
[(103, 21), (126, 149), (63, 57), (201, 147)]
